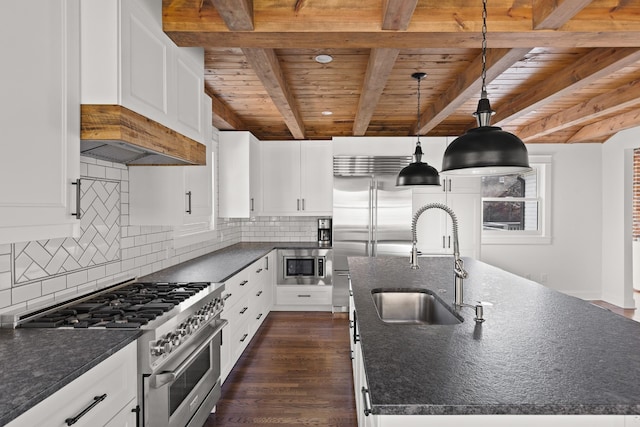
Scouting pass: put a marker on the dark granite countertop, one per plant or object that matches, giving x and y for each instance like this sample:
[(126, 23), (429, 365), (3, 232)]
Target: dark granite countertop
[(218, 266), (35, 363), (538, 352)]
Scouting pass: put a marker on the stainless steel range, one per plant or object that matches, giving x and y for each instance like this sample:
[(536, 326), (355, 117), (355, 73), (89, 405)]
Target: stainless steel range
[(178, 351)]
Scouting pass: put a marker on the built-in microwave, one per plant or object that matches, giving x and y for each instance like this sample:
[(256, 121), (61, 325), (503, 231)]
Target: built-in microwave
[(304, 266)]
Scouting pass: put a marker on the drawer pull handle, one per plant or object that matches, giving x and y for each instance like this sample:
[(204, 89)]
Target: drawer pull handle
[(243, 310), (259, 270), (96, 400), (259, 316), (259, 293), (304, 296), (227, 296), (367, 401), (244, 282), (244, 337)]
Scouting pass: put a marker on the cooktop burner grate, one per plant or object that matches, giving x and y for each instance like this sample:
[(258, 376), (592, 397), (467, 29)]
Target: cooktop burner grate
[(130, 306)]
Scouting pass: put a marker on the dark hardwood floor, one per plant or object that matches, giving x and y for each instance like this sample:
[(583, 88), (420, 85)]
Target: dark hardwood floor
[(295, 372)]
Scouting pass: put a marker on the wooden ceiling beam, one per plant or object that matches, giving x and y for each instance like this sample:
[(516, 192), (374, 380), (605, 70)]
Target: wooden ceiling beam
[(602, 105), (467, 85), (553, 14), (396, 14), (224, 118), (595, 131), (381, 62), (401, 40), (266, 65), (237, 14), (594, 65)]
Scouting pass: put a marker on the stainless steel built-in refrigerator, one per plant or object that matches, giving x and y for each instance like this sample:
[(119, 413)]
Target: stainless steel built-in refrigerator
[(371, 216)]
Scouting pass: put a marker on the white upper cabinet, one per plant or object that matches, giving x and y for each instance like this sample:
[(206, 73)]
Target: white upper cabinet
[(173, 195), (128, 60), (240, 175), (40, 119), (297, 178)]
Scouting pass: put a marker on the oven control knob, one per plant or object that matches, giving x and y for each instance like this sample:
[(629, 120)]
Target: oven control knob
[(160, 347), (174, 339)]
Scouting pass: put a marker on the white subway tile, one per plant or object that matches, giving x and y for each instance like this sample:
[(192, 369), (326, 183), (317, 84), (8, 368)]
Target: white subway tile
[(54, 285), (5, 280), (96, 273), (5, 298), (95, 171), (26, 292), (75, 279)]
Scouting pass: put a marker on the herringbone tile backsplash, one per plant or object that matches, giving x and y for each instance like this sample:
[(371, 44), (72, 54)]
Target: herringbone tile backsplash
[(98, 244)]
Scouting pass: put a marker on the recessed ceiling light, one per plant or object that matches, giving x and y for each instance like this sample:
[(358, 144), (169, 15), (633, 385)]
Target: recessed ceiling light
[(323, 59), (327, 113)]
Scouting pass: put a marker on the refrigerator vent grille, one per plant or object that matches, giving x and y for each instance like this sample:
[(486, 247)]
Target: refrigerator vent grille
[(368, 165)]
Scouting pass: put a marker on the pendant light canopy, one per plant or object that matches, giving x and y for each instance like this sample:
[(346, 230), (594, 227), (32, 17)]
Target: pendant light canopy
[(486, 149), (418, 172)]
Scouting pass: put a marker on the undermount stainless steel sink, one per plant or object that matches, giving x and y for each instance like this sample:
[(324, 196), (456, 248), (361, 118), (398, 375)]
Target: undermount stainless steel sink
[(412, 307)]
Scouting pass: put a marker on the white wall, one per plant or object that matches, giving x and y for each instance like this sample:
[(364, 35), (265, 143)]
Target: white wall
[(572, 262), (617, 215)]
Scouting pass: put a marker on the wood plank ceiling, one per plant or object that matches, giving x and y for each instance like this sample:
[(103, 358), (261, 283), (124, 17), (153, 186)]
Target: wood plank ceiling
[(558, 71)]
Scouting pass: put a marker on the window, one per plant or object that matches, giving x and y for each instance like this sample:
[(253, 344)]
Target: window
[(515, 208)]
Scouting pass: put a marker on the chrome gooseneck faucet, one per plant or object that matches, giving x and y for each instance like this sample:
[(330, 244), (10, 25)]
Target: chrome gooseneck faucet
[(458, 266)]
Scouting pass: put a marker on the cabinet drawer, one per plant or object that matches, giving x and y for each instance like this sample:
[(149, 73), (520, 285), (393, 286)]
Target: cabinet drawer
[(236, 287), (115, 378), (303, 295), (239, 340), (238, 313)]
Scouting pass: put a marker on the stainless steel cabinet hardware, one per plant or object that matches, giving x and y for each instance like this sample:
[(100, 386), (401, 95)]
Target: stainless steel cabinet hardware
[(258, 270), (298, 202), (259, 316), (443, 240), (449, 242), (227, 296), (244, 310), (96, 400), (244, 282), (444, 185), (252, 205), (367, 401), (244, 337), (304, 296), (356, 335), (302, 204), (266, 263), (450, 185), (188, 193), (78, 212), (136, 411), (259, 293)]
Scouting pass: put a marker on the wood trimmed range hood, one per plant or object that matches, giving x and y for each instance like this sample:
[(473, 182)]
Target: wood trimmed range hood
[(116, 134)]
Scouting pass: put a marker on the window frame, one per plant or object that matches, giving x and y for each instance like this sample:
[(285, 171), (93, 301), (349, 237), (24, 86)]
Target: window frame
[(542, 165)]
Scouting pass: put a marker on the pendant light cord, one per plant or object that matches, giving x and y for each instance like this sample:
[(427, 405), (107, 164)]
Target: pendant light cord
[(418, 112), (484, 49)]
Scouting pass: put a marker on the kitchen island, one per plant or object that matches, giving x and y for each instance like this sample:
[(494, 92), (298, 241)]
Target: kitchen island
[(539, 352)]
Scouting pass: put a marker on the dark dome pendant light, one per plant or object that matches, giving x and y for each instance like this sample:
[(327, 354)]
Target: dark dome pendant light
[(418, 172), (485, 150)]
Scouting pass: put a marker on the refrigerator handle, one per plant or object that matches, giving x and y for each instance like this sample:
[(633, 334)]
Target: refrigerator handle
[(374, 228), (370, 230)]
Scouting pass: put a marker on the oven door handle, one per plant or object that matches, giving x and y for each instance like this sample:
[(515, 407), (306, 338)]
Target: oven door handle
[(159, 380)]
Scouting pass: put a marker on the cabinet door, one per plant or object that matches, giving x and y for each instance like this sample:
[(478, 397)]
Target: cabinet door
[(145, 63), (198, 179), (281, 177), (240, 175), (157, 195), (255, 177), (432, 225), (316, 177), (40, 119), (189, 93)]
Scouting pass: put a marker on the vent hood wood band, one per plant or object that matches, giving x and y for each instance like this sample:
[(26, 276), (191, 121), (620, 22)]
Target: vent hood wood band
[(117, 134)]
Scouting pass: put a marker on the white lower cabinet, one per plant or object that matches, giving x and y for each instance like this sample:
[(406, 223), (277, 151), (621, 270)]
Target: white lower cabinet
[(110, 389), (248, 300)]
